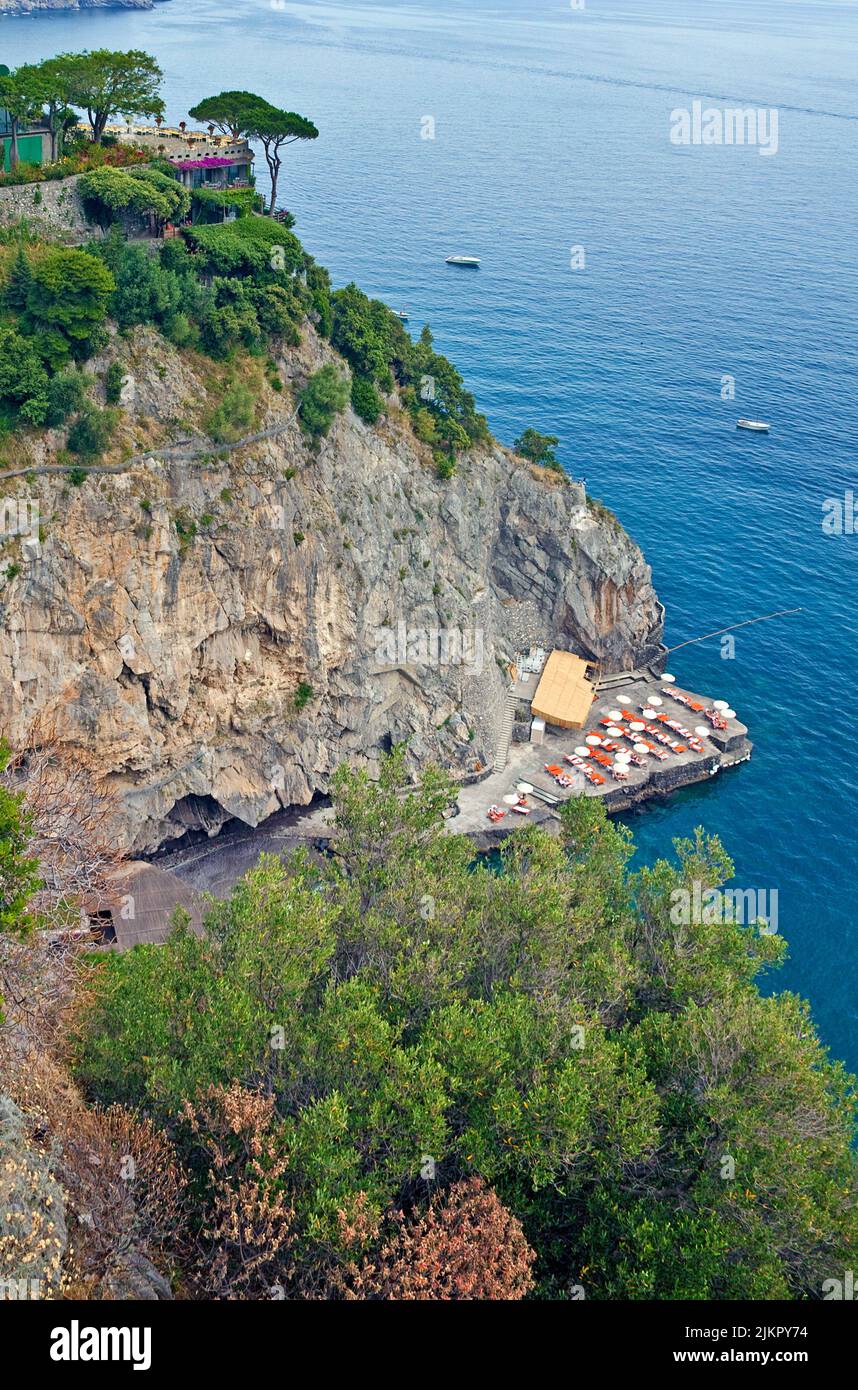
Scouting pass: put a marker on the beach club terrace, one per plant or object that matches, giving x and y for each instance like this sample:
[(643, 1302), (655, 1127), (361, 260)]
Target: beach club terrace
[(641, 736), (200, 160)]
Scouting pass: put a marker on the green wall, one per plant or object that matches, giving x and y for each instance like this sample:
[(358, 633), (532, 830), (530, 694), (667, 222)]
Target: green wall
[(29, 150)]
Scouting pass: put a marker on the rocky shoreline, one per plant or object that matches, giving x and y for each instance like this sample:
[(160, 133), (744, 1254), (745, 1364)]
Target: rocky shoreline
[(28, 7)]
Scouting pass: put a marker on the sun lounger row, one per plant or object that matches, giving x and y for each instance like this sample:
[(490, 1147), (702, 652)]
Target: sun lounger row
[(716, 719), (691, 739)]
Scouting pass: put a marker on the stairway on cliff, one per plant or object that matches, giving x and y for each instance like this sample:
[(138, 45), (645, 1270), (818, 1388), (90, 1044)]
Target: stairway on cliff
[(505, 734)]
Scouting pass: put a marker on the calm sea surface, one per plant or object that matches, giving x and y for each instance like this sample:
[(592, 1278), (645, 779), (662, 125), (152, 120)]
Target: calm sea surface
[(551, 131)]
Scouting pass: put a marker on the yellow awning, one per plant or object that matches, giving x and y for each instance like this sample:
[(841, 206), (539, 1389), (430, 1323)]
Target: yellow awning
[(564, 694)]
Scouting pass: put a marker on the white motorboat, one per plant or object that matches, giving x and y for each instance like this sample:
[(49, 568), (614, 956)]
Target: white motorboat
[(760, 426), (472, 261)]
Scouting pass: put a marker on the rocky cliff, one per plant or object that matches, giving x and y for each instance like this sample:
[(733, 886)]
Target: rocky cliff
[(226, 630), (12, 7)]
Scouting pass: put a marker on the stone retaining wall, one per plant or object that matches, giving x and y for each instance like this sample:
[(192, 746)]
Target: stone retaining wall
[(53, 207)]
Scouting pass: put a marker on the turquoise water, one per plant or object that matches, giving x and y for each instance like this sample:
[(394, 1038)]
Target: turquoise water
[(551, 131)]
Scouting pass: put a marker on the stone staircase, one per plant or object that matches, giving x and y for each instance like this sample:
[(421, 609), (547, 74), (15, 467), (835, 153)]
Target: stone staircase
[(505, 734)]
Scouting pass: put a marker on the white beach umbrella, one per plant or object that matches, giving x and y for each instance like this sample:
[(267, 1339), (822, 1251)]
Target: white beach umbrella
[(656, 700), (702, 731), (510, 800), (668, 679), (525, 788), (615, 714), (641, 748), (636, 727), (615, 732), (720, 704), (583, 751), (649, 714), (593, 740), (729, 713)]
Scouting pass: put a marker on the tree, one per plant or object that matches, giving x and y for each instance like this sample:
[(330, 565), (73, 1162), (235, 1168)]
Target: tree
[(243, 115), (104, 83), (23, 380), (67, 303), (113, 192), (92, 432), (326, 393), (48, 84), (231, 113), (18, 282), (275, 130), (22, 104), (366, 402), (539, 448)]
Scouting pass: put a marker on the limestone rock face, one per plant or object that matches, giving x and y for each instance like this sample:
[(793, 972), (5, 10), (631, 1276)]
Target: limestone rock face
[(224, 632), (10, 7)]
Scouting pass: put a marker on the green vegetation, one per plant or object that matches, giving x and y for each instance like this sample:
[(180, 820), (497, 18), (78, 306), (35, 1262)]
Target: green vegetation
[(324, 396), (62, 303), (366, 402), (539, 448), (374, 342), (113, 381), (251, 246), (233, 417), (110, 192), (210, 201), (92, 432), (104, 83), (66, 395), (548, 1031), (19, 874), (303, 696)]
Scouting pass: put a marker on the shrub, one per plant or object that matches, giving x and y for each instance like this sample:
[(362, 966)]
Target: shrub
[(113, 383), (233, 417), (467, 1246), (251, 246), (539, 448), (66, 394), (92, 432), (23, 379), (111, 192), (326, 393), (366, 402), (66, 304)]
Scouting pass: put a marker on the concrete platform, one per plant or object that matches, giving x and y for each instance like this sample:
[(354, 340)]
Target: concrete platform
[(721, 749)]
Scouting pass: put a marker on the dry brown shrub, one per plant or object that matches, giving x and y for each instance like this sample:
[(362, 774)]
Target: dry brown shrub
[(247, 1226), (466, 1246)]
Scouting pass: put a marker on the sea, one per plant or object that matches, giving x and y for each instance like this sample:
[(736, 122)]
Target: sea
[(640, 290)]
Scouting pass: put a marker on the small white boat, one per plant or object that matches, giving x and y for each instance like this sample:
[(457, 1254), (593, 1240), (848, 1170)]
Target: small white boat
[(760, 426), (473, 261), (400, 314)]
